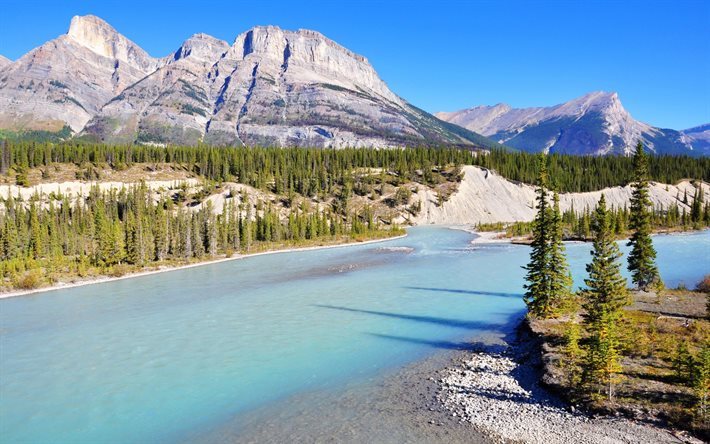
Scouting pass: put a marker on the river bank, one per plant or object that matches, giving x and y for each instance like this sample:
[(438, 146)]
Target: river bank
[(497, 391), (165, 269)]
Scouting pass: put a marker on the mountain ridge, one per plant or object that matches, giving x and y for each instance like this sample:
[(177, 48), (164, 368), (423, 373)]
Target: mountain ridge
[(269, 87), (595, 123)]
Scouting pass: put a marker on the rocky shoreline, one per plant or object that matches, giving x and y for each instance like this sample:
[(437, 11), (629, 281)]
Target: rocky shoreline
[(496, 389)]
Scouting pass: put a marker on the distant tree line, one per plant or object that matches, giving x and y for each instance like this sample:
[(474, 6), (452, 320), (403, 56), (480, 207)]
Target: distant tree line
[(280, 170), (577, 223), (591, 173), (308, 171)]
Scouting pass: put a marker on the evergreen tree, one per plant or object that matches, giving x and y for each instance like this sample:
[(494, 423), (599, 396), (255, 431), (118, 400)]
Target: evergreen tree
[(560, 275), (605, 296), (642, 258), (537, 289)]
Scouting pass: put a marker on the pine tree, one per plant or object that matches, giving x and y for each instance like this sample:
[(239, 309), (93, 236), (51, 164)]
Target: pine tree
[(605, 296), (642, 258), (537, 289), (558, 268)]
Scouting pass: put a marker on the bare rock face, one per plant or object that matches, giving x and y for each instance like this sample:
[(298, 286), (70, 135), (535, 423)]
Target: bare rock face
[(595, 123), (67, 80), (98, 36), (4, 61), (270, 87)]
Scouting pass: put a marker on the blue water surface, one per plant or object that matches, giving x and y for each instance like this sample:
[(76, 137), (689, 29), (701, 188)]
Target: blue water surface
[(158, 358)]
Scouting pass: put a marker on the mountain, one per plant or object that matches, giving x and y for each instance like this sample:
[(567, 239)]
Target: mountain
[(699, 137), (269, 87), (4, 61), (596, 123), (67, 80)]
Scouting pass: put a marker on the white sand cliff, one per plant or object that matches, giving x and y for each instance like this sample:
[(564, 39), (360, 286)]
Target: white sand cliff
[(485, 197)]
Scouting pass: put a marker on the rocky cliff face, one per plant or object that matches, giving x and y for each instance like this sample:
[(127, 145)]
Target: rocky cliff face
[(67, 80), (596, 123), (4, 61), (270, 87)]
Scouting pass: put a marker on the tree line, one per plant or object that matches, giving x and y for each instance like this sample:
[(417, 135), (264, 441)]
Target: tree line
[(310, 171), (592, 173), (116, 231), (279, 170)]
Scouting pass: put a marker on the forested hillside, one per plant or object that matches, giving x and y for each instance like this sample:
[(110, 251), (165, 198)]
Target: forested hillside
[(307, 171)]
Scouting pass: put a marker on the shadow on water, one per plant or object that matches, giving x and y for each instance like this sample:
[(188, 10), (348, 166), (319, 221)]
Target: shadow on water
[(492, 337), (444, 345), (447, 322), (474, 292)]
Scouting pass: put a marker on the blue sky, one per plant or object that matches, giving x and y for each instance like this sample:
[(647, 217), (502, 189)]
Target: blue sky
[(448, 55)]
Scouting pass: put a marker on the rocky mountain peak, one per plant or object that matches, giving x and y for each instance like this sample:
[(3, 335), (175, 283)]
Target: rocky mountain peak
[(596, 123), (4, 61), (202, 47), (595, 102), (271, 87), (101, 38)]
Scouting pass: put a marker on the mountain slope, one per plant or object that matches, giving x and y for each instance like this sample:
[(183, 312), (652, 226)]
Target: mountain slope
[(699, 138), (4, 61), (270, 87), (67, 80), (596, 123)]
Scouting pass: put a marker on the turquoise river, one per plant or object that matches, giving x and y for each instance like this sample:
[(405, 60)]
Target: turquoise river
[(169, 356)]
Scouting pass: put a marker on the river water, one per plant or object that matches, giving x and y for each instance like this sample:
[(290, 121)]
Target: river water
[(173, 356)]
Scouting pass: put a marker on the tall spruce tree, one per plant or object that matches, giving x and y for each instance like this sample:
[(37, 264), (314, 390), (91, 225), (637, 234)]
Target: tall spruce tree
[(560, 275), (543, 287), (605, 296), (642, 258)]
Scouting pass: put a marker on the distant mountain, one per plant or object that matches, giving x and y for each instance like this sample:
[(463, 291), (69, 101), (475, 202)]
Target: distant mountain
[(270, 87), (595, 123), (699, 138), (4, 61)]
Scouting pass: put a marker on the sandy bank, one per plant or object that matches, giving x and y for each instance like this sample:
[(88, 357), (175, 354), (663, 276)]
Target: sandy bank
[(102, 279)]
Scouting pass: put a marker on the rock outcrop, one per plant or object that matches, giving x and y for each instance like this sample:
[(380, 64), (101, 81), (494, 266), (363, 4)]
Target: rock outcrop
[(596, 123), (4, 61), (270, 87)]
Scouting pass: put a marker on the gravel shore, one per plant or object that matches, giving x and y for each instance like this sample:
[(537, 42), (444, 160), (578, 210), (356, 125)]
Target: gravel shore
[(496, 390)]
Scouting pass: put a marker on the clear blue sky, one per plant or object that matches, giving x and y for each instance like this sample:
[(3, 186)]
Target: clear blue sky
[(448, 55)]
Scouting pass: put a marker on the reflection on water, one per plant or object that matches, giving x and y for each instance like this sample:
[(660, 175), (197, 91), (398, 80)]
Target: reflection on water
[(165, 357)]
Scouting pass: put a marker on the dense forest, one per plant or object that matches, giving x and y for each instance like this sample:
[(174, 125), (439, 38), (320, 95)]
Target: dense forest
[(309, 171), (114, 232), (118, 231)]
